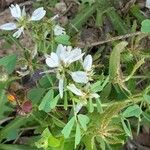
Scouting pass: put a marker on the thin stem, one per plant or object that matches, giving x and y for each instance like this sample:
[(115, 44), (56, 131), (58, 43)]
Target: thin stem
[(109, 40)]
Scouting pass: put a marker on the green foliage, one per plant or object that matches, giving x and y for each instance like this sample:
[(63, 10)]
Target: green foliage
[(63, 39), (146, 26), (16, 147), (9, 62), (67, 129), (65, 114), (132, 111), (46, 101), (114, 62)]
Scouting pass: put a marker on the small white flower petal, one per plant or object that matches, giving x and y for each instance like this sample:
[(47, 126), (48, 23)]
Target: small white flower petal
[(79, 77), (148, 4), (58, 30), (78, 107), (94, 95), (87, 64), (75, 55), (53, 60), (18, 33), (62, 53), (61, 50), (15, 11), (23, 13), (74, 90), (8, 26), (61, 87), (38, 14)]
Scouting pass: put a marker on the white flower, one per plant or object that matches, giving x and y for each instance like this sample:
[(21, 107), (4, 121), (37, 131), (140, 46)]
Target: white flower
[(63, 57), (58, 30), (20, 15), (84, 76), (80, 93)]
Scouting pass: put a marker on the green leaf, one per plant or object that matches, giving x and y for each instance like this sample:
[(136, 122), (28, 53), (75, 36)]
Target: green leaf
[(67, 129), (63, 39), (81, 18), (99, 105), (35, 94), (54, 102), (114, 62), (136, 12), (146, 26), (9, 62), (90, 106), (53, 142), (97, 86), (46, 101), (12, 126), (132, 111), (16, 147), (4, 107), (147, 98), (117, 22), (77, 135), (126, 129), (83, 120)]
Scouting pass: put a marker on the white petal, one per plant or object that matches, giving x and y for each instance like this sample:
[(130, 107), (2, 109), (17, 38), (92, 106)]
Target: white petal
[(78, 107), (38, 14), (87, 64), (148, 4), (58, 30), (23, 12), (74, 90), (62, 53), (61, 87), (52, 61), (75, 55), (79, 77), (94, 95), (8, 26), (18, 33), (60, 49), (15, 11)]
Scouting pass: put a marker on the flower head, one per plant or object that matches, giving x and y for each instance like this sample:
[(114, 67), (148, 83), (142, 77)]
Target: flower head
[(58, 30), (22, 20), (64, 56)]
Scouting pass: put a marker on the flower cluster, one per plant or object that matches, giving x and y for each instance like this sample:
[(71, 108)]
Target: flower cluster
[(60, 61), (22, 19)]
